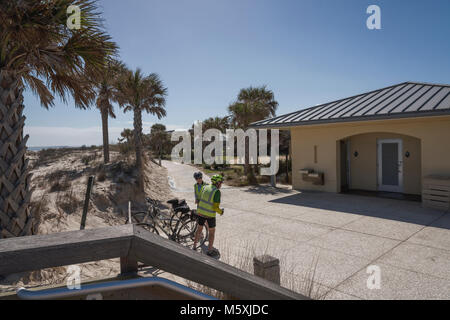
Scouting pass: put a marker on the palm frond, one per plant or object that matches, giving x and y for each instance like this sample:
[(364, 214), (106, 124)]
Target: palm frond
[(35, 43)]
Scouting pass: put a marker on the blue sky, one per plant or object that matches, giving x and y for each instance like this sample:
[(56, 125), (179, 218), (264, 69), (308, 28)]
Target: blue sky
[(307, 51)]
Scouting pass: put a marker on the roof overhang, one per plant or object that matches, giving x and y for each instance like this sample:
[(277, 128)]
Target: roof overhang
[(414, 115)]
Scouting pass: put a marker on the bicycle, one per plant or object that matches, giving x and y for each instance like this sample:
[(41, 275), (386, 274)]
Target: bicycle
[(180, 226)]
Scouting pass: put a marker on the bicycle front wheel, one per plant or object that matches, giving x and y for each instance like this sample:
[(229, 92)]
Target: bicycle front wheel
[(149, 227), (140, 217), (186, 234)]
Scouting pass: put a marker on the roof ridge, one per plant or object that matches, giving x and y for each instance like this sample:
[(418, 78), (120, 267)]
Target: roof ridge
[(429, 83)]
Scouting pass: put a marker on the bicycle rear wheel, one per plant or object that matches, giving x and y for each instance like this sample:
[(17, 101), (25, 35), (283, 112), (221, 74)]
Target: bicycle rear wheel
[(186, 234), (177, 219)]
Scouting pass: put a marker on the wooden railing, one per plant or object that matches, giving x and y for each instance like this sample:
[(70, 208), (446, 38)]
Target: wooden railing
[(133, 244)]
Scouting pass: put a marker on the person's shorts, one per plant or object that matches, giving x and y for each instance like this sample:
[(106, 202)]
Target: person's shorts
[(211, 221)]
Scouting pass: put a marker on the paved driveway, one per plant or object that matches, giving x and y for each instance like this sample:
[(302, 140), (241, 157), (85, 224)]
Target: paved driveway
[(333, 239)]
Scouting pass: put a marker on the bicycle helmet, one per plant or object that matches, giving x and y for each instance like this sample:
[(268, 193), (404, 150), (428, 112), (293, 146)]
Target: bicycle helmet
[(198, 175), (216, 179)]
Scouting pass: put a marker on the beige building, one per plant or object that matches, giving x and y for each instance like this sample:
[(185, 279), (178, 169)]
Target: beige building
[(386, 140)]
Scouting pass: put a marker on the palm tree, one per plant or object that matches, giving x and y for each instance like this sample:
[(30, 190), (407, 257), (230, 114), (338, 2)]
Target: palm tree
[(126, 134), (106, 84), (126, 142), (137, 93), (220, 123), (159, 140), (39, 51), (252, 104)]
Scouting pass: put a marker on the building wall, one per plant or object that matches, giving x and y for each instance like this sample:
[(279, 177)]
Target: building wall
[(364, 170), (434, 147)]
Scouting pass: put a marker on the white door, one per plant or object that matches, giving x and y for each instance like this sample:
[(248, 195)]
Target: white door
[(390, 165)]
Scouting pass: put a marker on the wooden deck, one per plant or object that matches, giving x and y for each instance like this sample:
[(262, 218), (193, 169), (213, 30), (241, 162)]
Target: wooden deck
[(134, 244)]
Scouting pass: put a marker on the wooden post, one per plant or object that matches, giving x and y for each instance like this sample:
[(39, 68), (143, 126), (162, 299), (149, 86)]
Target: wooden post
[(129, 221), (128, 266), (86, 202), (129, 263), (267, 267)]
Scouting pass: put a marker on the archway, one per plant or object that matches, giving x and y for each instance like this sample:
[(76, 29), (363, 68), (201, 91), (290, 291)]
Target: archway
[(380, 162)]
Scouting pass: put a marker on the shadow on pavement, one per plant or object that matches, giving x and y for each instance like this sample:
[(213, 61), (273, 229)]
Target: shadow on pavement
[(390, 209), (267, 190)]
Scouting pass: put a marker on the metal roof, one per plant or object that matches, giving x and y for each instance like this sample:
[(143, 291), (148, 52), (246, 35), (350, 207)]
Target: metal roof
[(404, 100)]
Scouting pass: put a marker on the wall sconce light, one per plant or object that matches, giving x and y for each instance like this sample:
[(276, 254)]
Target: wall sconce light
[(407, 154), (356, 154)]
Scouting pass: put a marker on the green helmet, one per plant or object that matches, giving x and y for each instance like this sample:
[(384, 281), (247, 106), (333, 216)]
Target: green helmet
[(216, 179)]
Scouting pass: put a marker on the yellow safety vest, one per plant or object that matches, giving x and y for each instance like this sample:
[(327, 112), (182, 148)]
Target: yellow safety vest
[(198, 190), (206, 204)]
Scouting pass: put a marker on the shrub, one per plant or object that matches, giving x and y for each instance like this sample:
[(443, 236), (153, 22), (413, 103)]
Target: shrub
[(87, 159), (101, 176), (38, 210), (306, 283), (125, 148), (67, 202), (60, 185)]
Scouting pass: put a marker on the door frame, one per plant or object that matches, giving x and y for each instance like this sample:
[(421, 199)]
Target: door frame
[(345, 142), (388, 188)]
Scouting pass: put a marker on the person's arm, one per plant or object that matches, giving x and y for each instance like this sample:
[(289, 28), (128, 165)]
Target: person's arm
[(195, 193), (216, 203), (217, 209)]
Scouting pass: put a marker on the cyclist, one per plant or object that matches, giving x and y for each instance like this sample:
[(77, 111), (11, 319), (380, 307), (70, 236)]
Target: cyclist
[(198, 176), (208, 206)]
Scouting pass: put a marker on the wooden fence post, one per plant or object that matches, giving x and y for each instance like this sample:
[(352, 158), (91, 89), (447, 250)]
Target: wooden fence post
[(267, 267), (128, 264), (86, 202)]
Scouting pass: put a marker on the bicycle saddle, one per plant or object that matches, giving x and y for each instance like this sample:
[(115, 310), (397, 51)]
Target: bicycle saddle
[(183, 209), (173, 201)]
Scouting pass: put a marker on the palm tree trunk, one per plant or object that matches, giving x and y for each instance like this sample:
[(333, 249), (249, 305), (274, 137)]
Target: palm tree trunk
[(138, 146), (160, 155), (15, 214), (105, 135), (249, 168)]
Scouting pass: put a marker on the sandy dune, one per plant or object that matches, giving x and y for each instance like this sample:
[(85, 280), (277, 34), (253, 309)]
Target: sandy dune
[(59, 181)]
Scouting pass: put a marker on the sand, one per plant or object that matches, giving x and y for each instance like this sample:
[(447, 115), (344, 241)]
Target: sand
[(59, 181)]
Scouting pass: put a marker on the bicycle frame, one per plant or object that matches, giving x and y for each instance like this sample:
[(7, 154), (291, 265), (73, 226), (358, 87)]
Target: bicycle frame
[(163, 223), (153, 218)]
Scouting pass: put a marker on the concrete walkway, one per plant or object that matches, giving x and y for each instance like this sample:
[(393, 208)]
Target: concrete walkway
[(326, 242)]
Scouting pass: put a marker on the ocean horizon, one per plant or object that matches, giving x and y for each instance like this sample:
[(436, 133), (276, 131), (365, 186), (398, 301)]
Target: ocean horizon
[(49, 147)]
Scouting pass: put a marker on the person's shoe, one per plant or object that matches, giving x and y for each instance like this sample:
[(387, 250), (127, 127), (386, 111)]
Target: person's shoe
[(213, 253)]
